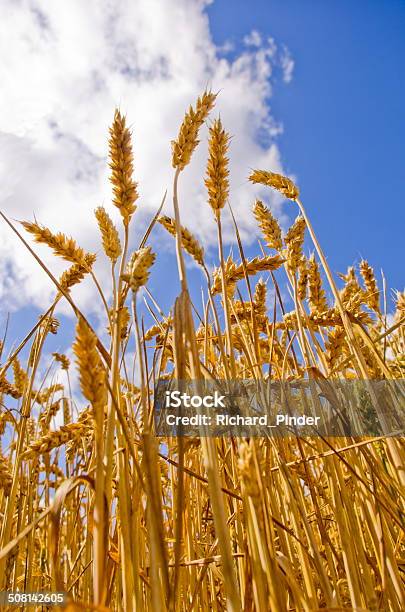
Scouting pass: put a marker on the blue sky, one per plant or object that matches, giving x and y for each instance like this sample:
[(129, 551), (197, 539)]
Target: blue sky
[(341, 112), (343, 117)]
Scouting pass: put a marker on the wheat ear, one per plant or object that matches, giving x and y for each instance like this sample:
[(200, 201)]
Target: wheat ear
[(217, 181), (121, 164), (109, 234), (188, 240), (187, 139), (271, 179), (372, 294), (139, 267), (251, 267), (268, 225), (62, 245), (317, 297), (91, 371)]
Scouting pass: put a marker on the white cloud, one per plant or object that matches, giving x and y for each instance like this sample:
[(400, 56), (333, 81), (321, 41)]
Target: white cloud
[(64, 66), (287, 65), (253, 39)]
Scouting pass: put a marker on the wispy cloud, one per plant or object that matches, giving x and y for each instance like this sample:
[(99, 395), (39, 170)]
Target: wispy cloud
[(287, 64), (64, 67)]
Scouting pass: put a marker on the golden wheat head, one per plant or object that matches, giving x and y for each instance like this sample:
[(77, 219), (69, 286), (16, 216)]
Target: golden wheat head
[(121, 164), (187, 140), (279, 182), (217, 181)]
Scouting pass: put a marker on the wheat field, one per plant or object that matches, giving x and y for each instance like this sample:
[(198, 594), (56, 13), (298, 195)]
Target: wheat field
[(93, 503)]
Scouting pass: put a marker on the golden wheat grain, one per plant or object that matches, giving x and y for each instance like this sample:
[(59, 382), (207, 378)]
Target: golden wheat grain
[(46, 417), (294, 240), (67, 417), (293, 255), (332, 316), (62, 359), (138, 268), (124, 318), (159, 328), (372, 292), (253, 266), (296, 231), (302, 284), (352, 294), (317, 297), (290, 321), (51, 325), (242, 313), (54, 439), (62, 245), (76, 273), (246, 470), (9, 389), (20, 376), (44, 396), (399, 304), (260, 296), (109, 234), (217, 181), (92, 374), (229, 268), (188, 240), (334, 345), (268, 225), (121, 164), (271, 179), (5, 475), (3, 419), (187, 140)]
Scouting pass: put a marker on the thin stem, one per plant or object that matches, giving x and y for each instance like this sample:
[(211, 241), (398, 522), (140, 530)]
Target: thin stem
[(100, 291), (179, 250), (393, 447), (345, 319), (116, 339), (225, 298)]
